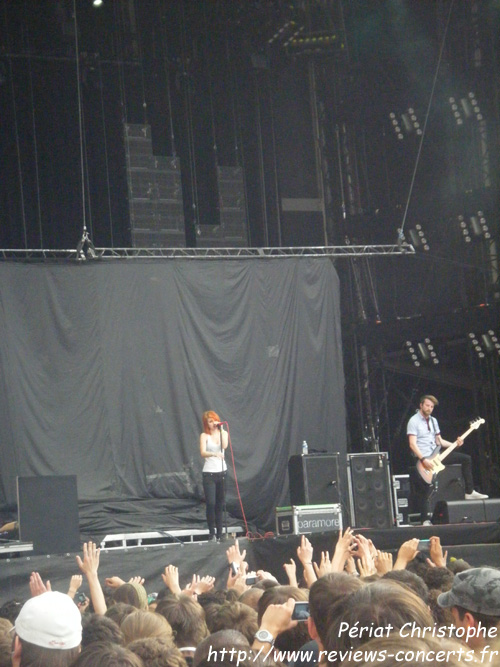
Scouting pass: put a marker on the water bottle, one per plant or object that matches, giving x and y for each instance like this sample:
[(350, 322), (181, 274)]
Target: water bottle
[(305, 449)]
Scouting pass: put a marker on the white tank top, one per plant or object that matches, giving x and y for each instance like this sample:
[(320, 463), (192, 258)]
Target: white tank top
[(213, 463)]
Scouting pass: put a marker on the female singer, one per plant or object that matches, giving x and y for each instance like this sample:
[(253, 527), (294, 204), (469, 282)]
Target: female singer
[(213, 442)]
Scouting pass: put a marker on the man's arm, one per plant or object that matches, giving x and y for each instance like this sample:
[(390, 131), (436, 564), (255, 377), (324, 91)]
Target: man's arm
[(446, 443), (412, 439)]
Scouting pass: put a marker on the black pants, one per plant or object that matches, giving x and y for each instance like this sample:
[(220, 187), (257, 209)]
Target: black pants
[(213, 487), (423, 491)]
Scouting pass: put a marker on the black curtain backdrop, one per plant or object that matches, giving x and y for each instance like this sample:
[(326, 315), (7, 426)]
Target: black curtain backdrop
[(108, 366)]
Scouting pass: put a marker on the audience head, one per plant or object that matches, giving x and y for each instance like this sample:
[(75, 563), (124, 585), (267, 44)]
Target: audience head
[(439, 578), (105, 654), (157, 652), (251, 597), (142, 624), (381, 604), (118, 611), (187, 619), (294, 638), (10, 610), (456, 565), (133, 594), (5, 642), (48, 630), (98, 628), (218, 640), (325, 592), (412, 580), (474, 597), (234, 616)]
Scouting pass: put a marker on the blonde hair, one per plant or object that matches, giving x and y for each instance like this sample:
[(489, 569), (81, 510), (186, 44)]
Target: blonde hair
[(141, 624)]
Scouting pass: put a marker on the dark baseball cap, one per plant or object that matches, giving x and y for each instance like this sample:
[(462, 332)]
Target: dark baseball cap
[(477, 589)]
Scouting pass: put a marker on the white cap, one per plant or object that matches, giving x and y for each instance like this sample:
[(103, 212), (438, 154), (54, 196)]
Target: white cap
[(50, 620)]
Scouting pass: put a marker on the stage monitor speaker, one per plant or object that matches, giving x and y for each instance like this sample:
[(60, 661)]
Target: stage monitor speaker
[(450, 486), (314, 479), (459, 511), (48, 513), (370, 490), (492, 509)]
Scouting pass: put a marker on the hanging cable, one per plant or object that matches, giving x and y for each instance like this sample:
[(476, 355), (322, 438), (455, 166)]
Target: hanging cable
[(233, 88), (18, 155), (106, 157), (189, 121), (422, 136), (164, 47), (35, 147), (85, 246)]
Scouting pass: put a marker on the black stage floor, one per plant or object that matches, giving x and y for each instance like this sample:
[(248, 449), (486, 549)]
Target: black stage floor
[(478, 543)]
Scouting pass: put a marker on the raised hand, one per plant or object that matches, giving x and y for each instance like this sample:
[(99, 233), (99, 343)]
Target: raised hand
[(233, 554), (344, 549), (74, 584), (113, 582), (383, 562), (291, 572), (89, 565), (407, 552), (37, 587), (325, 565), (305, 551), (436, 555), (171, 579), (90, 562)]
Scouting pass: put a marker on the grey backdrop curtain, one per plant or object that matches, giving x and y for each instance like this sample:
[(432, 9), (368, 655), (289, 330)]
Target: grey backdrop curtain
[(107, 367)]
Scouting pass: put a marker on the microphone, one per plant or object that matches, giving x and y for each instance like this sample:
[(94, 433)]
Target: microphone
[(219, 423)]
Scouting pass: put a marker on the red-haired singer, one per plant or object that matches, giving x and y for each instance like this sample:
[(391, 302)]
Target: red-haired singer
[(213, 442)]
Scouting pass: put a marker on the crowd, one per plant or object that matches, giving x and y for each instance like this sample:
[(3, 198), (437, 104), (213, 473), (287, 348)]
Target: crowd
[(361, 606)]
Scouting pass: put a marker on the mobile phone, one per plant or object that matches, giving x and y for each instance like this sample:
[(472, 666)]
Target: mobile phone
[(300, 611), (81, 598), (423, 545), (251, 580), (234, 567), (152, 598)]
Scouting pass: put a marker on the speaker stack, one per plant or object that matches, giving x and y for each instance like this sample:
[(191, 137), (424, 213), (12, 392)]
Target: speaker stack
[(370, 490), (48, 513), (314, 479)]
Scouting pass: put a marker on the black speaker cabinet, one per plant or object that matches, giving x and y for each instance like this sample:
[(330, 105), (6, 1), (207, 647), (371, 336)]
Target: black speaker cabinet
[(467, 511), (314, 479), (449, 486), (370, 490), (48, 513), (492, 509), (459, 511)]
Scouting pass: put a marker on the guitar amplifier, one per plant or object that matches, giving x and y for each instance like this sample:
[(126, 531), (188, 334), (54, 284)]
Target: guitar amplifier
[(302, 519)]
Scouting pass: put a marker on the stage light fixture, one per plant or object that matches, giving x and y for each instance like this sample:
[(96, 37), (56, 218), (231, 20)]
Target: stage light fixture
[(486, 343), (97, 3), (479, 225), (464, 229), (395, 125), (455, 111), (411, 350), (418, 238)]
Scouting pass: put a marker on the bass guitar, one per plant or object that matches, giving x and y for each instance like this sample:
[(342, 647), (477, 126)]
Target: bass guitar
[(438, 455)]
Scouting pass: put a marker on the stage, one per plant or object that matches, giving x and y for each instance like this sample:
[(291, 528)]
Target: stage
[(144, 545)]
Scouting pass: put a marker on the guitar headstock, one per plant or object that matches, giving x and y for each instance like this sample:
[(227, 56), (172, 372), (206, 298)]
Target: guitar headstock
[(477, 422)]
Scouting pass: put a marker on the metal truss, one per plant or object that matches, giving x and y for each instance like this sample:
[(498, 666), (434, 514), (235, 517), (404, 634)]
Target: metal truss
[(337, 252)]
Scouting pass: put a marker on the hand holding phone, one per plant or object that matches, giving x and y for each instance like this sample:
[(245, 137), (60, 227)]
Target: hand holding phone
[(300, 611)]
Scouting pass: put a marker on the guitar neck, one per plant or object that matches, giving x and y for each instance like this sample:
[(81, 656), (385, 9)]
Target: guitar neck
[(449, 449)]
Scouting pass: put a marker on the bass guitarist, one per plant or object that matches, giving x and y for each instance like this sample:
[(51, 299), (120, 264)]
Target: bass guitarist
[(424, 436)]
